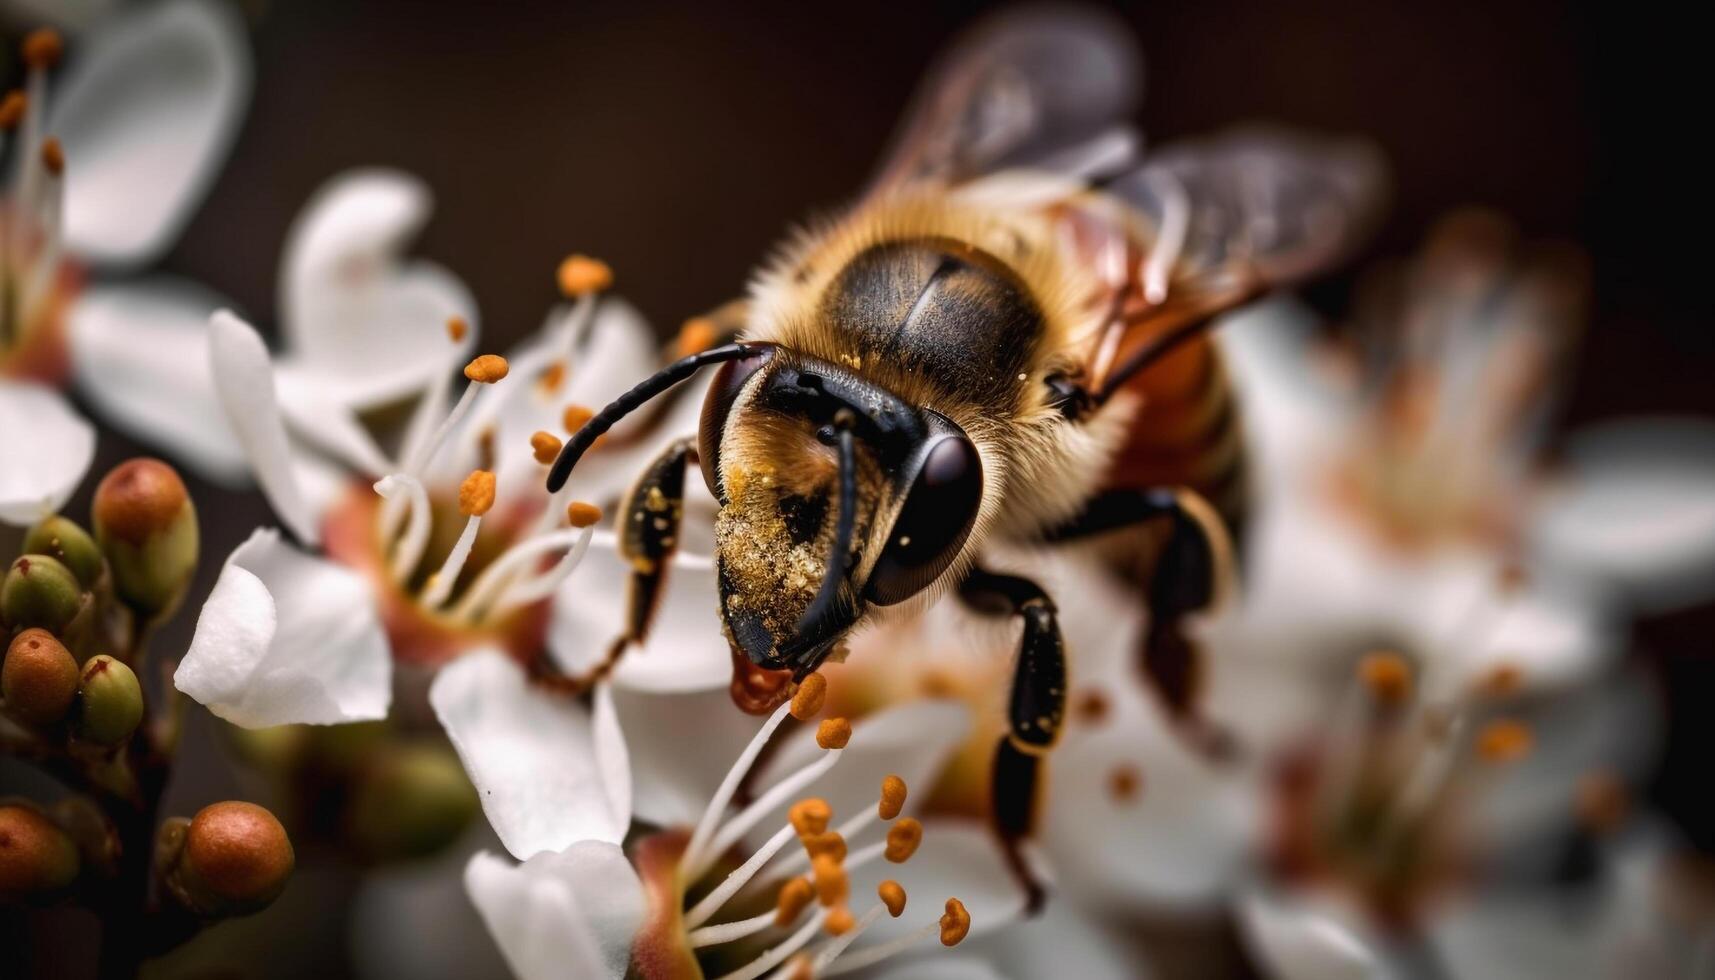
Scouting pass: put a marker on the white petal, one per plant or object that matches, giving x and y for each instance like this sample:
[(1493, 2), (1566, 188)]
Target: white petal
[(1637, 507), (570, 914), (44, 452), (957, 859), (913, 741), (685, 651), (244, 381), (533, 756), (287, 638), (147, 110), (612, 757), (680, 745), (1299, 938), (944, 968), (140, 355)]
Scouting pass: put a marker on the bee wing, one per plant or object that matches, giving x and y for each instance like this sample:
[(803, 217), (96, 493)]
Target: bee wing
[(1046, 88)]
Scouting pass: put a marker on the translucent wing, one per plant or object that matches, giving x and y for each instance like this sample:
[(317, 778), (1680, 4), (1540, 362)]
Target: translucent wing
[(1047, 88)]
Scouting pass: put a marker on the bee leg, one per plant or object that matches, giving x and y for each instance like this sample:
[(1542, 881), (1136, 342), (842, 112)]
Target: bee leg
[(648, 530), (1034, 714)]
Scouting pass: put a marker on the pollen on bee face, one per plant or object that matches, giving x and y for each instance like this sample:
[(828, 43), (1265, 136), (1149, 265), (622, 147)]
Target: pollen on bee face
[(580, 275), (486, 369), (476, 493)]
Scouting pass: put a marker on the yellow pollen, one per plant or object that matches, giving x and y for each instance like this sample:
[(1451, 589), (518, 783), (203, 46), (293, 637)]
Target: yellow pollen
[(552, 377), (580, 274), (574, 417), (902, 840), (476, 493), (955, 923), (42, 48), (827, 842), (839, 921), (696, 335), (833, 733), (53, 156), (807, 700), (794, 897), (457, 328), (892, 797), (810, 816), (1387, 676), (1503, 740), (1601, 803), (545, 446), (799, 968), (832, 887), (486, 369), (581, 514), (12, 109), (892, 896)]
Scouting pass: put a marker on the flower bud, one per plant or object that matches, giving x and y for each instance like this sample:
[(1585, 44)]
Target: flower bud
[(39, 679), (61, 538), (413, 801), (37, 858), (147, 527), (110, 702), (41, 592), (232, 858)]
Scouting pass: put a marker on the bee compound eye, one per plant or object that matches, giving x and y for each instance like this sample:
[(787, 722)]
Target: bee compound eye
[(940, 508), (717, 405)]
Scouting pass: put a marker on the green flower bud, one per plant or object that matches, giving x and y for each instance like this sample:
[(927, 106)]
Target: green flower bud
[(110, 702), (62, 539), (146, 526), (230, 859), (39, 591), (39, 679), (412, 801), (37, 858)]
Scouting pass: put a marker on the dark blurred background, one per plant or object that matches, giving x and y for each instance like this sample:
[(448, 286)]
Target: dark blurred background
[(677, 141)]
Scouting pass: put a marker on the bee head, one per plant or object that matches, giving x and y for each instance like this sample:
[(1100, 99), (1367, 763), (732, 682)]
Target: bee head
[(835, 496)]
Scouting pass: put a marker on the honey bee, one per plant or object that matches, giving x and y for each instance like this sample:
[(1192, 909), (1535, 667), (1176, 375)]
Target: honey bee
[(1004, 338)]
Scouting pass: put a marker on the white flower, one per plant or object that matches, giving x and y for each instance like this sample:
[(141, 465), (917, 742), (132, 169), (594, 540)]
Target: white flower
[(142, 116), (44, 452)]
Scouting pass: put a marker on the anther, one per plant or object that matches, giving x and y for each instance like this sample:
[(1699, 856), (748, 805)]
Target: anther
[(552, 377), (1502, 681), (810, 816), (1092, 707), (807, 700), (486, 369), (53, 156), (476, 493), (955, 923), (833, 733), (457, 328), (580, 514), (892, 896), (42, 48), (1123, 783), (12, 109), (544, 446), (794, 897), (892, 797), (828, 842), (902, 840), (832, 886), (799, 968), (1503, 740), (574, 417), (579, 275), (1387, 676), (696, 335), (839, 921)]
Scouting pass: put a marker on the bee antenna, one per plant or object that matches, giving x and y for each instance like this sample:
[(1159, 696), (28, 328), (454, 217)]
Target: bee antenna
[(810, 625), (634, 399)]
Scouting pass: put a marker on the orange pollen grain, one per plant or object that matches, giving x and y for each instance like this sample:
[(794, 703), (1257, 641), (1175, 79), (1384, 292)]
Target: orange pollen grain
[(580, 274), (833, 733), (892, 797), (807, 700), (476, 493), (799, 968), (1504, 740), (903, 839), (1502, 681), (53, 156), (457, 328), (581, 514), (696, 335), (552, 377), (12, 109), (892, 896), (487, 369), (955, 923), (574, 417), (810, 816), (832, 886), (42, 48), (839, 921), (828, 842), (1387, 676), (545, 446), (794, 897)]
